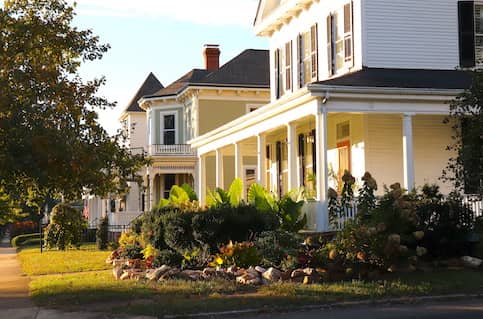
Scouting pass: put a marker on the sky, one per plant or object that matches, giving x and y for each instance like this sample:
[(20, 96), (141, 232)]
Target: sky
[(160, 36)]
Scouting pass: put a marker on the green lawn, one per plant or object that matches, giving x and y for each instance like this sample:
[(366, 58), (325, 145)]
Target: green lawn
[(77, 279), (87, 258)]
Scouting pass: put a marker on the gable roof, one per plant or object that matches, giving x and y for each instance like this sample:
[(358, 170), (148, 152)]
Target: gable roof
[(150, 85), (404, 78), (250, 69)]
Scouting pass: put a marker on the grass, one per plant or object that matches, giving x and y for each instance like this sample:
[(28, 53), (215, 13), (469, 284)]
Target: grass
[(75, 291), (76, 279), (87, 258)]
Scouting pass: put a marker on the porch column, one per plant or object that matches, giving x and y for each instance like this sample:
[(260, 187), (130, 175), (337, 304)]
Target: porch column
[(219, 168), (201, 180), (238, 161), (322, 174), (408, 151), (292, 155), (151, 191), (261, 155)]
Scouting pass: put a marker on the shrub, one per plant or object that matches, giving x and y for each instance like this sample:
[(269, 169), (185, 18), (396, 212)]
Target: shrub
[(167, 257), (26, 240), (130, 246), (65, 228), (274, 246), (178, 233), (242, 254), (102, 234)]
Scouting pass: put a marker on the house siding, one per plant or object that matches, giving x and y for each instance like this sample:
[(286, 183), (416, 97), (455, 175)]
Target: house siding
[(401, 34), (215, 113), (180, 123)]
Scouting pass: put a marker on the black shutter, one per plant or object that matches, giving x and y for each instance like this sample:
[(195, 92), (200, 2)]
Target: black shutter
[(330, 55), (466, 24), (277, 74), (300, 62)]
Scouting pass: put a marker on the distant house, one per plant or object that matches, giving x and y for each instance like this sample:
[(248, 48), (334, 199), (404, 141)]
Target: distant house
[(357, 85), (198, 102), (121, 210)]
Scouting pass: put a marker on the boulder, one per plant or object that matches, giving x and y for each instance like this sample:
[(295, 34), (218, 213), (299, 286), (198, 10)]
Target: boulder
[(311, 279), (272, 274), (125, 275), (249, 278), (260, 269), (154, 274), (117, 272), (169, 274), (471, 262), (193, 275), (298, 273)]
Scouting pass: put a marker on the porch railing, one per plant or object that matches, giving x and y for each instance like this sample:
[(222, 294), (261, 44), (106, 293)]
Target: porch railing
[(348, 213), (171, 150), (122, 218)]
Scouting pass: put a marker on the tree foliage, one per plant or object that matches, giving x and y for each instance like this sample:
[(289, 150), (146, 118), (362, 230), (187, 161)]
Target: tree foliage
[(66, 227), (465, 168), (50, 138)]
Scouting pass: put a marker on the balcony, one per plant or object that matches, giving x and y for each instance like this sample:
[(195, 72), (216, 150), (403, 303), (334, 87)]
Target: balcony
[(171, 150)]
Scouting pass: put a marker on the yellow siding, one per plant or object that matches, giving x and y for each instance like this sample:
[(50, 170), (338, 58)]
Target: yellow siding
[(431, 137), (384, 152), (215, 113)]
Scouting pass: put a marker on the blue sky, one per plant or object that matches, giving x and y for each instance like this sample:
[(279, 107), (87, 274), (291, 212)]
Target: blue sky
[(163, 37)]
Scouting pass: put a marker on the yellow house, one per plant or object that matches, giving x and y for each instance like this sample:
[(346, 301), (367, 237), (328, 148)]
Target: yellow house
[(348, 92), (198, 102)]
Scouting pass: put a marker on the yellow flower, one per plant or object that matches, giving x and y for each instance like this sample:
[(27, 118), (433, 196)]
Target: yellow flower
[(219, 260)]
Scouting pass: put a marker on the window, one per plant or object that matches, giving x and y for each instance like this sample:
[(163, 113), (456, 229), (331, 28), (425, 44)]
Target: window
[(169, 182), (288, 66), (470, 25), (301, 151), (308, 56), (340, 44), (343, 130), (168, 128)]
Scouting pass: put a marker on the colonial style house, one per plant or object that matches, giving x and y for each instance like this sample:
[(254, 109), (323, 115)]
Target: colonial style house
[(198, 102), (358, 85), (160, 120)]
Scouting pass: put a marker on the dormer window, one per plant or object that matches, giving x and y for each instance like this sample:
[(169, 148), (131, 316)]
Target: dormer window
[(340, 40)]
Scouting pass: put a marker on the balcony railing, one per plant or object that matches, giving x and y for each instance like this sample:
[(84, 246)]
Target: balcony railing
[(171, 150)]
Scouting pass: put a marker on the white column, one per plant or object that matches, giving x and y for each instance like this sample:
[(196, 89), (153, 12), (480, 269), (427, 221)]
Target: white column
[(292, 156), (322, 174), (151, 191), (219, 168), (201, 184), (408, 151), (261, 156), (238, 161)]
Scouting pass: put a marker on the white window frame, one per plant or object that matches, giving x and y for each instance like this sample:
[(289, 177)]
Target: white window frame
[(161, 126), (478, 60)]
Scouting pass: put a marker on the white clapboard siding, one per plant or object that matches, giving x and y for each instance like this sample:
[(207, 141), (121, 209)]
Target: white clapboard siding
[(411, 34)]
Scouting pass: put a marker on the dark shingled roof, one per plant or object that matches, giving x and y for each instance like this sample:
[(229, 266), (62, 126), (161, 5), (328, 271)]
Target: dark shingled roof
[(404, 78), (251, 68), (150, 85)]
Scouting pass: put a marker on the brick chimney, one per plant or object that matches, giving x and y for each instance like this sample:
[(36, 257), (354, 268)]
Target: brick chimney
[(211, 56)]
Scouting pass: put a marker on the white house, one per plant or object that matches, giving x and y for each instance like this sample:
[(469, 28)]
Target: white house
[(360, 85)]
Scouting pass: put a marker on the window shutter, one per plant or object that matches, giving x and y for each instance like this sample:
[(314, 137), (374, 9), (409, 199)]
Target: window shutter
[(314, 52), (288, 66), (277, 74), (330, 59), (466, 33), (349, 32), (300, 61)]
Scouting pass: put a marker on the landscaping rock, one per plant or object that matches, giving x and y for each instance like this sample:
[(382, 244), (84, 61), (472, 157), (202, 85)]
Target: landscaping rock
[(112, 257), (154, 274), (261, 270), (249, 278), (193, 275), (209, 273), (471, 262), (312, 279), (169, 274), (310, 271), (272, 274), (421, 251), (117, 272), (125, 275)]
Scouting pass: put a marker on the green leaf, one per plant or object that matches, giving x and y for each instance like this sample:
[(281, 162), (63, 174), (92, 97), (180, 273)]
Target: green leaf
[(191, 193), (178, 196), (235, 192)]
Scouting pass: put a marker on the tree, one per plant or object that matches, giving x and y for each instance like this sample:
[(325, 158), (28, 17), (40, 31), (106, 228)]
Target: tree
[(50, 140), (66, 227), (465, 168)]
